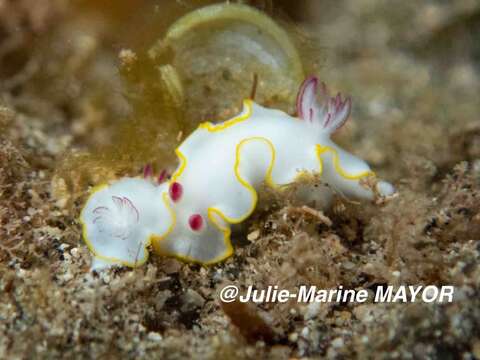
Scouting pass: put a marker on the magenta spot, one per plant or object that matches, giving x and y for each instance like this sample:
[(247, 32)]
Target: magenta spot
[(196, 222), (176, 191)]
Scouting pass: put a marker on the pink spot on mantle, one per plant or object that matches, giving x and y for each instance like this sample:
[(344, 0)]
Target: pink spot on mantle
[(196, 222), (175, 191)]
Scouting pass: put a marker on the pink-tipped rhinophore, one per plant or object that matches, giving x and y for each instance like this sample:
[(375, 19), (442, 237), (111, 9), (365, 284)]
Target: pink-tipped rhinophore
[(147, 171)]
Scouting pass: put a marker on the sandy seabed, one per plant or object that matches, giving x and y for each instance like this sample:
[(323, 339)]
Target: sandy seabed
[(413, 70)]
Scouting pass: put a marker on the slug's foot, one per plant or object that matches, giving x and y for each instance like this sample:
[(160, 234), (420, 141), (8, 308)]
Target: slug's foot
[(204, 239)]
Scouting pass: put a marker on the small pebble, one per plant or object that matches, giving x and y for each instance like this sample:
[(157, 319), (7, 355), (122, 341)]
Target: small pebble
[(154, 336), (254, 235), (338, 343)]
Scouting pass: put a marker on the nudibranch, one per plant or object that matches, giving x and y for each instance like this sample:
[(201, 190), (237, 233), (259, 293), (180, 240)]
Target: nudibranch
[(221, 168)]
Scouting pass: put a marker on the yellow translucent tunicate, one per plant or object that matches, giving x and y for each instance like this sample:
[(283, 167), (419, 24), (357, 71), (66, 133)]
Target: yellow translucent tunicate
[(173, 88), (217, 51)]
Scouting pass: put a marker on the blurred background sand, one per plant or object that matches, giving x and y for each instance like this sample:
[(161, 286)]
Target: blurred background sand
[(80, 103)]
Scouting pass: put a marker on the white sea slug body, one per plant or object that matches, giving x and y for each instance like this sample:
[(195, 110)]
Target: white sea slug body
[(221, 168)]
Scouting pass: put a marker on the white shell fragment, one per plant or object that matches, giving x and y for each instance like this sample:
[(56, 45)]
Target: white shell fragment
[(221, 168)]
